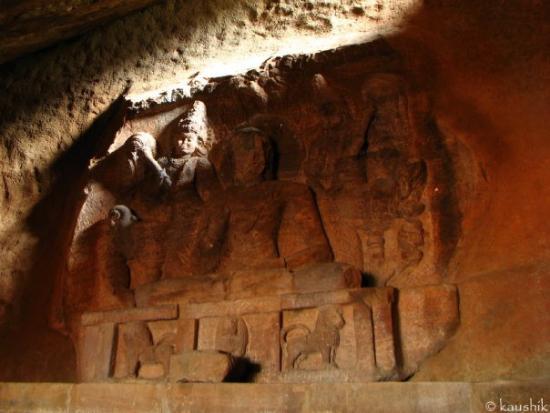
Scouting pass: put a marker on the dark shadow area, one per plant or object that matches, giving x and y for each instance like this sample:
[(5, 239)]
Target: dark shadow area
[(20, 20), (368, 280), (242, 371), (30, 350), (397, 336)]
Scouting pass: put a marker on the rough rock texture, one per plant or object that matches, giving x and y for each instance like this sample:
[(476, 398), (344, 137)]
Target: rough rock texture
[(31, 25), (427, 318), (53, 100)]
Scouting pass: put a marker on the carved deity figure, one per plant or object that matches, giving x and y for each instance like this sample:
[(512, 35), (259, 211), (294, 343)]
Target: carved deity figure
[(189, 144), (271, 223), (193, 238)]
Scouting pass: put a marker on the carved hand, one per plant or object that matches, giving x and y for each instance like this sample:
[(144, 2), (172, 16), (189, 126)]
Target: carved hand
[(164, 180)]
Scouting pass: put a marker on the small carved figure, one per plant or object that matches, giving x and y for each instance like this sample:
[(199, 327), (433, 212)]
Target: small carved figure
[(411, 240), (121, 216), (232, 336), (159, 353), (134, 340), (121, 219), (324, 339), (114, 248)]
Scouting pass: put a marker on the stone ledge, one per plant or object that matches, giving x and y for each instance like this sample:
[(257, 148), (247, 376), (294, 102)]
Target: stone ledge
[(390, 397)]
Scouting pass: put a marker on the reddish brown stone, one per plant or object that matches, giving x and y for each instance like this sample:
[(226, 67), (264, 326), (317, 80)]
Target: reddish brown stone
[(200, 366), (428, 316), (134, 341), (164, 312), (151, 371), (96, 347)]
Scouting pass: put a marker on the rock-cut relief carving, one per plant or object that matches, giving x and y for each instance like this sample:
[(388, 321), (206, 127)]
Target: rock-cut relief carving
[(299, 342), (189, 143), (393, 237), (232, 336), (128, 166), (328, 165), (393, 206), (271, 223), (137, 355), (194, 238), (368, 177), (132, 165)]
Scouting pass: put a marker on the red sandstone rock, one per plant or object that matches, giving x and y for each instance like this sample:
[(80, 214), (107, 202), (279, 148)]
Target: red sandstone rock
[(427, 317)]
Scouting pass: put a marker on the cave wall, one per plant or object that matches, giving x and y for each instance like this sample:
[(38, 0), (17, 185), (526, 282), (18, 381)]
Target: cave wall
[(490, 100), (484, 68)]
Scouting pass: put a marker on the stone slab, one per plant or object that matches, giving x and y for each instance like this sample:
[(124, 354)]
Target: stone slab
[(161, 312), (387, 397), (249, 283), (284, 302), (96, 352), (231, 308)]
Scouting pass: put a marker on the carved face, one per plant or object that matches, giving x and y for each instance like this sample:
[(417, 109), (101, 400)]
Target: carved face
[(249, 160), (192, 132), (114, 217), (186, 143)]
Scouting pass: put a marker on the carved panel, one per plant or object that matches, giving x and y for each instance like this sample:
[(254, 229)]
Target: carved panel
[(261, 203)]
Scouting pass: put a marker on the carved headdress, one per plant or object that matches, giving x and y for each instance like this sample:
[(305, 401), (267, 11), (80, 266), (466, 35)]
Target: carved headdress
[(195, 121)]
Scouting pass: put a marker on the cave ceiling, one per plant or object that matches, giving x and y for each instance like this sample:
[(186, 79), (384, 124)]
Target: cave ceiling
[(30, 25)]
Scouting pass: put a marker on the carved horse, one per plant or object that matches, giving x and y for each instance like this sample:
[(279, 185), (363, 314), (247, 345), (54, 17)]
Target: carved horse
[(324, 339)]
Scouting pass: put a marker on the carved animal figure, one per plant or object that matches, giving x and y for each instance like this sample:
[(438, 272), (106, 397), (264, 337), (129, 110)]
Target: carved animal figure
[(121, 216), (121, 219), (324, 339), (232, 336)]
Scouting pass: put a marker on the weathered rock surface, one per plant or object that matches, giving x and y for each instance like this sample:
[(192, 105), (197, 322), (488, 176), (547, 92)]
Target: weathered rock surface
[(456, 397), (428, 317), (504, 328), (28, 26)]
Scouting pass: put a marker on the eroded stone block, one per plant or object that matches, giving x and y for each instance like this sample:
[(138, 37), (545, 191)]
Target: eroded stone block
[(326, 277), (96, 352), (263, 341), (151, 371), (186, 335), (163, 312), (134, 341), (256, 283), (173, 290), (200, 366)]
